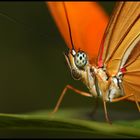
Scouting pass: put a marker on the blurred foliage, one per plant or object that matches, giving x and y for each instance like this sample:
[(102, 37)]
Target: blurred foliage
[(70, 123)]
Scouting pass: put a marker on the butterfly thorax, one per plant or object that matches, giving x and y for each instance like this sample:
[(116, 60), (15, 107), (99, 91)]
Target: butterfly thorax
[(95, 79), (109, 86)]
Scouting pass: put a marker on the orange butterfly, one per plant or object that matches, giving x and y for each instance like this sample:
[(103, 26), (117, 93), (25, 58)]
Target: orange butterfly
[(111, 71)]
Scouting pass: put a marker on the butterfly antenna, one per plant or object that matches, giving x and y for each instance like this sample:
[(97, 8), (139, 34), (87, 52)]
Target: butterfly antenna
[(69, 26)]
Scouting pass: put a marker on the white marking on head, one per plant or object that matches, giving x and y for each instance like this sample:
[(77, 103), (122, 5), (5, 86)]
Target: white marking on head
[(73, 52)]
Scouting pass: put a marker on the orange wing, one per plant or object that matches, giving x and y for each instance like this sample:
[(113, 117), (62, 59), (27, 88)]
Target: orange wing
[(131, 78), (121, 48), (87, 22), (120, 33)]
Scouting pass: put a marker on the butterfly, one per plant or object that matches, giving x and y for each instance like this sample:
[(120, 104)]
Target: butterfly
[(110, 71)]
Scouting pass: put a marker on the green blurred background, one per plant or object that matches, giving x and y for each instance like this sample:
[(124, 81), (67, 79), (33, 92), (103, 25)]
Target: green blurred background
[(33, 71)]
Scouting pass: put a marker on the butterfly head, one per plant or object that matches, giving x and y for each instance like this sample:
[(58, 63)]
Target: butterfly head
[(80, 59), (77, 62)]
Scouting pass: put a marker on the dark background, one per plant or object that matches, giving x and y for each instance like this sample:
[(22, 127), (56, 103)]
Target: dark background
[(33, 71)]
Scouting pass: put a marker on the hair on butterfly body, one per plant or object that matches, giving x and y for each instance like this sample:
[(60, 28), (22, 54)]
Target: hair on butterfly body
[(107, 79)]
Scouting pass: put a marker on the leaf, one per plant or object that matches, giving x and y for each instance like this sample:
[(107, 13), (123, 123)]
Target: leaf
[(65, 123)]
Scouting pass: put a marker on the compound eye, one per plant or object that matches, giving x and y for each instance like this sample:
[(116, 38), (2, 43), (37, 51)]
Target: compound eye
[(80, 59)]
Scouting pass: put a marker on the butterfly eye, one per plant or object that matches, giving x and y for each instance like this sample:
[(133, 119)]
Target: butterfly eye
[(80, 59)]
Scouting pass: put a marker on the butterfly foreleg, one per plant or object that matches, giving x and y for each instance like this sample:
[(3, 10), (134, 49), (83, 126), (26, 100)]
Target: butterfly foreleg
[(63, 93)]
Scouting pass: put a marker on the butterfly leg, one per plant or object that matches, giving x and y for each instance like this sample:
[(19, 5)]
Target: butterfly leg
[(106, 113), (63, 93), (104, 85), (124, 97)]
